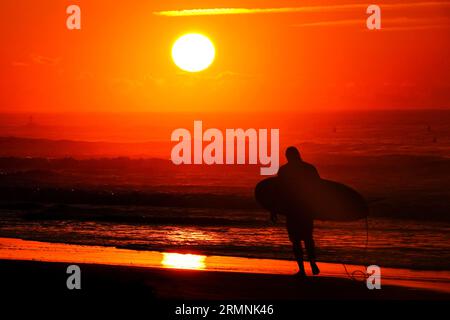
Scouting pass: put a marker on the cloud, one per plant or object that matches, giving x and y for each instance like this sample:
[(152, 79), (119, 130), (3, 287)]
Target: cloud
[(400, 23), (423, 27), (38, 59), (242, 11), (19, 64), (303, 9), (332, 23)]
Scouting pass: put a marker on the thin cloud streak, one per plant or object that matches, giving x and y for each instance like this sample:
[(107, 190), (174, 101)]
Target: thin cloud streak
[(426, 27), (305, 9), (331, 23), (242, 11), (393, 23)]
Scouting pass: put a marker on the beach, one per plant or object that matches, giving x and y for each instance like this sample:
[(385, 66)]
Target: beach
[(137, 141), (38, 270), (48, 278), (138, 225)]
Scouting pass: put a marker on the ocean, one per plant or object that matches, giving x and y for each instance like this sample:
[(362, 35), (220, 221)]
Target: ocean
[(98, 191), (390, 243)]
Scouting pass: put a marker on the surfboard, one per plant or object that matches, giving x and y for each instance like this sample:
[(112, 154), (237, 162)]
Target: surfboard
[(325, 200)]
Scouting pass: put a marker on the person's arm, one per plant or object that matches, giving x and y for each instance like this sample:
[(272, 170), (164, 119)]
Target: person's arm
[(314, 171), (280, 174), (273, 217), (317, 173)]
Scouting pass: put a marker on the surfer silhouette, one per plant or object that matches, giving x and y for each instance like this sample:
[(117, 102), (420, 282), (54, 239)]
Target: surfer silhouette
[(297, 175), (302, 196)]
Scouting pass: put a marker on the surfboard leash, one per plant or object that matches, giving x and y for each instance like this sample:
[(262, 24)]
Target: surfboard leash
[(353, 275)]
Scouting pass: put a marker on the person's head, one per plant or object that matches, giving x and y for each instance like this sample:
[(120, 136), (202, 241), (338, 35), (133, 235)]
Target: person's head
[(292, 154)]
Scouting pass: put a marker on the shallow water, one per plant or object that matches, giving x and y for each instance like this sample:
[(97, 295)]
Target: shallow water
[(391, 242)]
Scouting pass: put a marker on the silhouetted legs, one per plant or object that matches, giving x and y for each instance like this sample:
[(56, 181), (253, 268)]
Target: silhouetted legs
[(298, 252), (310, 249)]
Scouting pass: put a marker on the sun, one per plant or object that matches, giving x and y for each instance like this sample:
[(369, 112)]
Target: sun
[(193, 52)]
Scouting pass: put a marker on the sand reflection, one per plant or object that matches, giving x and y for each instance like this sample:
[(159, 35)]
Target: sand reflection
[(183, 261)]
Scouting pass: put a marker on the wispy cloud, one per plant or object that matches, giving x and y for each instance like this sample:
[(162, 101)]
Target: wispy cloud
[(423, 27), (241, 11), (39, 59), (19, 64), (400, 23), (302, 9), (347, 22)]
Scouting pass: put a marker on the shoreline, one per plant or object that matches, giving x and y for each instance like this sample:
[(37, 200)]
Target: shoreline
[(46, 281), (15, 250)]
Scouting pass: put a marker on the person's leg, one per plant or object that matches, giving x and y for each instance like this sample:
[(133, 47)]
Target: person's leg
[(298, 252), (310, 249)]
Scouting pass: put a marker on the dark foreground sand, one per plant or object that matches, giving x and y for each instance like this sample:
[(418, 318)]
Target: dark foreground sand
[(46, 280), (38, 289)]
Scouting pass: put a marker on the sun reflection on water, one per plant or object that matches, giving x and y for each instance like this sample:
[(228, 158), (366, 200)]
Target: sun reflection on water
[(183, 261)]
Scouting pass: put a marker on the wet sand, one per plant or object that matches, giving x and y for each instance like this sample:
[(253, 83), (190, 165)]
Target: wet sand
[(38, 269)]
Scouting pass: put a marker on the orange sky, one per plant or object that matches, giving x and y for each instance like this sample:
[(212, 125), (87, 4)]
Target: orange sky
[(290, 56)]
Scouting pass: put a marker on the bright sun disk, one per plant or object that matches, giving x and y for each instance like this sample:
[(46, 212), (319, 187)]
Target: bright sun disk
[(193, 52)]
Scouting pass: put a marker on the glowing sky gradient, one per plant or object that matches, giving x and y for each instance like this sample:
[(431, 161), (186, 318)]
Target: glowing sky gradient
[(270, 56)]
